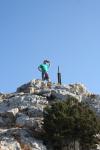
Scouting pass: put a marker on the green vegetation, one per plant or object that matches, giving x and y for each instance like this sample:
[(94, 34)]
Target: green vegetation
[(70, 121)]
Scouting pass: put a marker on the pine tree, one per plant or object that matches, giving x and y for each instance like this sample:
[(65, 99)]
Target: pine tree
[(70, 121)]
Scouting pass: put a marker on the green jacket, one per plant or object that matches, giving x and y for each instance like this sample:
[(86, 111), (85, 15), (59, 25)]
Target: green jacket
[(44, 67)]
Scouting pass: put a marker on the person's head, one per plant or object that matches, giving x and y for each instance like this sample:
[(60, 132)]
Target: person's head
[(45, 61)]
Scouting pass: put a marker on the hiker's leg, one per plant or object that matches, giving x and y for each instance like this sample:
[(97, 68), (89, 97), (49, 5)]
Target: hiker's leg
[(46, 76), (43, 76)]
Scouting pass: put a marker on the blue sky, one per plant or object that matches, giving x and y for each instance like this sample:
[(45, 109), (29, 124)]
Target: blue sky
[(67, 32)]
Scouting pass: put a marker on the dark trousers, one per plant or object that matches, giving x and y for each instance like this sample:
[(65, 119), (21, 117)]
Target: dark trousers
[(45, 76)]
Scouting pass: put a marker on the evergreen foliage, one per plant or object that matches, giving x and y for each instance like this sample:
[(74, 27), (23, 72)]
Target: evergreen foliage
[(67, 121)]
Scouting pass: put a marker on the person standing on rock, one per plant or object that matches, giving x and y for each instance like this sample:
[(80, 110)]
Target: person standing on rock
[(43, 68)]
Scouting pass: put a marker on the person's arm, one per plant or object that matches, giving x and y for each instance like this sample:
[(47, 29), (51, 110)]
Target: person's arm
[(48, 62), (39, 68)]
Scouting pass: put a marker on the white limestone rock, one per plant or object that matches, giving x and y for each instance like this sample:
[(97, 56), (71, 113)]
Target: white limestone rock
[(21, 113), (23, 120), (63, 94), (19, 139), (31, 86), (32, 105), (21, 102), (93, 101), (9, 144)]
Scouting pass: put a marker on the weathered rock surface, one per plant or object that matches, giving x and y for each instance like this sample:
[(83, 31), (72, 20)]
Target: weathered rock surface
[(21, 113), (19, 139)]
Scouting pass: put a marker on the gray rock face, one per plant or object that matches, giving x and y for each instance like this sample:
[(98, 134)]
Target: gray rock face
[(17, 112), (94, 102), (19, 139), (21, 113)]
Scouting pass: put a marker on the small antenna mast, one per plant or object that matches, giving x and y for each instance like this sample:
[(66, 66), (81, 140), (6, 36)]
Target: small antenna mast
[(59, 76)]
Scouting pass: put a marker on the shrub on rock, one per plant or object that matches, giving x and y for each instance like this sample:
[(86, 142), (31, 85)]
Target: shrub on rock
[(70, 121)]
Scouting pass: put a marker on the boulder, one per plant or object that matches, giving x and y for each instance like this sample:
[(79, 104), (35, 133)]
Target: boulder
[(23, 120)]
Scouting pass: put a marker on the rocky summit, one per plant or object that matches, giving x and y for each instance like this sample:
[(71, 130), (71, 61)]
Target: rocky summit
[(21, 112)]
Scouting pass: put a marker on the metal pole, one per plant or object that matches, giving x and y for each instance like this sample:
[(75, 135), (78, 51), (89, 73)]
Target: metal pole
[(59, 76)]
